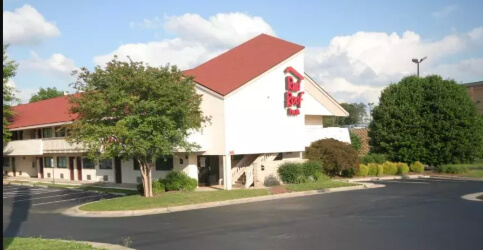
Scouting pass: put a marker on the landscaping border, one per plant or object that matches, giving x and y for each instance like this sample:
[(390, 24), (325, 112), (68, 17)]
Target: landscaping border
[(76, 212), (473, 197)]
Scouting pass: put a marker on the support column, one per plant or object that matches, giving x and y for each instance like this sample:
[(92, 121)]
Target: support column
[(227, 171)]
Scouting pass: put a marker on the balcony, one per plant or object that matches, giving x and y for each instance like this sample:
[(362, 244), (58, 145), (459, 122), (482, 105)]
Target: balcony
[(59, 145), (314, 133), (23, 147)]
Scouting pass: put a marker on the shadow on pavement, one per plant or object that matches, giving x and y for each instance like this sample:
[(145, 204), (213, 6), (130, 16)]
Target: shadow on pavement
[(19, 214)]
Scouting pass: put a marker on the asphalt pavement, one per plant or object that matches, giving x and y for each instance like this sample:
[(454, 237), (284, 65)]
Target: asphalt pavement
[(406, 214)]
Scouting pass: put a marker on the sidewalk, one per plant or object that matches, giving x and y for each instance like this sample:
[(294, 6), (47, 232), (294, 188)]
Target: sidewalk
[(380, 178)]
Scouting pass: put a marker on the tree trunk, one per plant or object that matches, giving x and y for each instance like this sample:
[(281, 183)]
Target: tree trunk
[(146, 172)]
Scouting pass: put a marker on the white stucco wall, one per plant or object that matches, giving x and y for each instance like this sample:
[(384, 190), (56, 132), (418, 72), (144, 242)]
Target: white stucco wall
[(313, 107), (256, 118)]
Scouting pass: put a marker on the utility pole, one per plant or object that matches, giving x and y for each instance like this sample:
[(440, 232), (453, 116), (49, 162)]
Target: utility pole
[(416, 61), (370, 111)]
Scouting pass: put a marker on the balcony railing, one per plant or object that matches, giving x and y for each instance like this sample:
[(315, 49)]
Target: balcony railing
[(59, 145), (23, 147), (317, 133)]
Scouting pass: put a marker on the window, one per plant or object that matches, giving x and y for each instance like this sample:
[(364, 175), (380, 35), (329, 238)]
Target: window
[(17, 135), (164, 163), (59, 132), (105, 164), (279, 157), (6, 162), (135, 164), (236, 157), (46, 132), (48, 162), (88, 163), (62, 162)]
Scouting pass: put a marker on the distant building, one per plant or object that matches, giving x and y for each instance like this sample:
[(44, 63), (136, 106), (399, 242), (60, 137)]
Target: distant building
[(475, 90)]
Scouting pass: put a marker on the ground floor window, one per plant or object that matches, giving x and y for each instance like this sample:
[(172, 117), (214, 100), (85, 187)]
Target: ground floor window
[(164, 163), (279, 157), (48, 162), (62, 162), (6, 162), (135, 164), (88, 163), (105, 164)]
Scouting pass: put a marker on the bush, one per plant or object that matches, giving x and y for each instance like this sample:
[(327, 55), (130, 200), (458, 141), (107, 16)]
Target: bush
[(363, 170), (373, 158), (349, 172), (389, 168), (310, 169), (290, 172), (417, 167), (355, 141), (453, 169), (380, 170), (334, 155), (178, 180), (157, 186), (379, 158), (366, 159), (373, 169), (402, 168)]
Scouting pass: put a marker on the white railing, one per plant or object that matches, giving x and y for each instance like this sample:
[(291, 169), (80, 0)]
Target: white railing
[(60, 145), (238, 170), (249, 176), (317, 133), (23, 147)]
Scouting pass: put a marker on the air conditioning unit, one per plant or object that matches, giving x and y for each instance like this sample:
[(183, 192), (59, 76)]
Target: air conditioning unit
[(88, 177), (105, 178)]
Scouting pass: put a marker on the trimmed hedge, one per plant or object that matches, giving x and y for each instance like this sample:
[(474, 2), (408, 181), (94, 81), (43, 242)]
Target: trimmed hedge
[(157, 186), (390, 168), (310, 169), (417, 167), (402, 168), (178, 180), (373, 158), (363, 170), (453, 169), (335, 156), (380, 170), (290, 172), (372, 169)]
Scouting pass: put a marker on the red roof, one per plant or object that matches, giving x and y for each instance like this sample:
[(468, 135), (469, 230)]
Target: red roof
[(234, 68), (42, 112)]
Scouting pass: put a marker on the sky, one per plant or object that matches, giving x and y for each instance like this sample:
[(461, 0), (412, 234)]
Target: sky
[(354, 49)]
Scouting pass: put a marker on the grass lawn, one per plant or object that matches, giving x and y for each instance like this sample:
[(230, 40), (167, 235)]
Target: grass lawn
[(317, 185), (475, 170), (43, 244), (170, 199)]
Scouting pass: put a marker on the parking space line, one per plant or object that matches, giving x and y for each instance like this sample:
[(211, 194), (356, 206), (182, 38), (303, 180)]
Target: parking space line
[(409, 182), (33, 194), (81, 198), (59, 195)]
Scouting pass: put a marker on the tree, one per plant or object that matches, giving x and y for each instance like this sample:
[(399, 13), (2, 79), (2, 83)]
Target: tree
[(9, 71), (45, 94), (426, 119), (356, 141), (133, 111), (357, 112)]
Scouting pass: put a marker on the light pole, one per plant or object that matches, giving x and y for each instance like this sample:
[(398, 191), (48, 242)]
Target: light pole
[(53, 170), (416, 61), (370, 111)]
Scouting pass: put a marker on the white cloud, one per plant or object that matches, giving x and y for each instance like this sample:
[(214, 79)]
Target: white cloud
[(197, 39), (147, 24), (445, 11), (26, 26), (357, 67), (57, 65)]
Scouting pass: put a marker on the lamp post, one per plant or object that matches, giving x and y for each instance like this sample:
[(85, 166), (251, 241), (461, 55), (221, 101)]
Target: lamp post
[(416, 61), (370, 111), (53, 170)]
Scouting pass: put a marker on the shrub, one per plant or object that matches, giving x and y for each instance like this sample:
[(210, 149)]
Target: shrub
[(334, 155), (363, 170), (402, 168), (379, 158), (366, 159), (355, 141), (417, 167), (311, 168), (390, 168), (380, 170), (321, 177), (453, 169), (373, 158), (178, 180), (373, 169), (349, 172), (157, 186), (290, 172)]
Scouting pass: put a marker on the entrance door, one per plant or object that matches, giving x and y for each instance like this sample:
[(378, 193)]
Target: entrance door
[(117, 167), (79, 168), (208, 170), (71, 167), (14, 169), (41, 167)]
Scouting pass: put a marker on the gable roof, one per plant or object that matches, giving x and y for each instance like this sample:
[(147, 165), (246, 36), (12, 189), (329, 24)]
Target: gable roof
[(232, 69), (54, 110), (473, 84)]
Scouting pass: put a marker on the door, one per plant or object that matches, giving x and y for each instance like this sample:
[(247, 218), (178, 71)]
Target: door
[(71, 167), (14, 169), (117, 167), (41, 167), (203, 171), (79, 168)]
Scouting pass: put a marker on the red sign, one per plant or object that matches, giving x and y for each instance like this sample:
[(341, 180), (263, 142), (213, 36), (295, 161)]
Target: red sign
[(292, 98)]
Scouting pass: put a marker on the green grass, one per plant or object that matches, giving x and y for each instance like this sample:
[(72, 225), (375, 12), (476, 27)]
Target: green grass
[(43, 244), (170, 199), (474, 170), (318, 185)]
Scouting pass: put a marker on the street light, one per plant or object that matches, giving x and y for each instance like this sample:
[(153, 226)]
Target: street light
[(416, 61), (370, 111)]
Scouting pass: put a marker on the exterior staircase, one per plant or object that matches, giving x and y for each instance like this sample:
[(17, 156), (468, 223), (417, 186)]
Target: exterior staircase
[(244, 172)]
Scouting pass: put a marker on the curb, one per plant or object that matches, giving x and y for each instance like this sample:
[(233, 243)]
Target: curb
[(76, 212), (456, 178), (100, 245), (472, 197), (386, 178)]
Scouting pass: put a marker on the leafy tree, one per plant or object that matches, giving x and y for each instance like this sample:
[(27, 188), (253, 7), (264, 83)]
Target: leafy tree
[(130, 110), (9, 70), (357, 112), (45, 94), (426, 119), (356, 141)]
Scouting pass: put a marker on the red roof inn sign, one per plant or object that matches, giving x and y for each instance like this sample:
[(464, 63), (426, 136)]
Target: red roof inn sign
[(293, 95)]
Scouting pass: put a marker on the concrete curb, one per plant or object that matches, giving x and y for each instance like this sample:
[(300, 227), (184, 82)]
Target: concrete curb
[(472, 197), (76, 212), (381, 178), (455, 178), (98, 244)]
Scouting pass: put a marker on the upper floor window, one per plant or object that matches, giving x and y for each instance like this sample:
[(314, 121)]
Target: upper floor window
[(105, 164), (17, 135), (164, 163), (46, 132), (59, 132), (6, 162)]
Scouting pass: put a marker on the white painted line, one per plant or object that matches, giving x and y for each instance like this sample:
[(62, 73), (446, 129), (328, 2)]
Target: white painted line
[(446, 180), (38, 193), (81, 198), (48, 197), (410, 182)]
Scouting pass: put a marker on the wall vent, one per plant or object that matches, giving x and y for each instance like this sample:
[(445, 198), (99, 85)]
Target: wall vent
[(62, 176), (88, 177), (48, 175), (139, 179), (105, 177)]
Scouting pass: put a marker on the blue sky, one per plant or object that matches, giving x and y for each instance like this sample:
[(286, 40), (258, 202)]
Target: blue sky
[(339, 36)]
